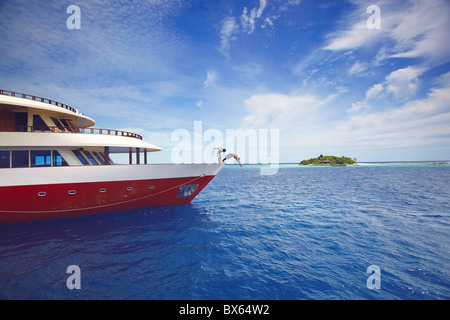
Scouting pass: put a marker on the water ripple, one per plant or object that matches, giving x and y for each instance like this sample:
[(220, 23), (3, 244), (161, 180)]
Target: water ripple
[(305, 233)]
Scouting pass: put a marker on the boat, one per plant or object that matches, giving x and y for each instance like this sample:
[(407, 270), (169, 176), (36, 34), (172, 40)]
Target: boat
[(55, 164)]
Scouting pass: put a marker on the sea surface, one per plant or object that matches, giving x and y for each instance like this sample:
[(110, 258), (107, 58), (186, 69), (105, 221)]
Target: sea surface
[(302, 233)]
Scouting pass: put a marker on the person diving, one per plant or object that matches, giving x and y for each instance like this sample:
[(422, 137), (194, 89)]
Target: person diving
[(235, 156)]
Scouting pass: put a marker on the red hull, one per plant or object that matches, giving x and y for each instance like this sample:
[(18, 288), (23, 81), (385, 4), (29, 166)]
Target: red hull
[(50, 201)]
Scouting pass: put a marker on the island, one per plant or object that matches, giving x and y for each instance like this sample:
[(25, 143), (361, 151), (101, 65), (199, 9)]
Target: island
[(328, 161)]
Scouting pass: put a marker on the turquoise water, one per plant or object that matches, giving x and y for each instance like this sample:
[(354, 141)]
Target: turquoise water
[(303, 233)]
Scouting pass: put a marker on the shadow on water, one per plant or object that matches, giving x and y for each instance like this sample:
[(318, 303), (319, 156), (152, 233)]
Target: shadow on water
[(120, 255)]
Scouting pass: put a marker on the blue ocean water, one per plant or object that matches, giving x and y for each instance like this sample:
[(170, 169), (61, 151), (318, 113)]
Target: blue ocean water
[(303, 233)]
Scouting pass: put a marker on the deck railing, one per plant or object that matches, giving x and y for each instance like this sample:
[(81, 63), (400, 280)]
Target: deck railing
[(36, 98), (55, 129)]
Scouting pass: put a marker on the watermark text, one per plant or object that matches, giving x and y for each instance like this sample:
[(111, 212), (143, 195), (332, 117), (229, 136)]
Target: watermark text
[(253, 146)]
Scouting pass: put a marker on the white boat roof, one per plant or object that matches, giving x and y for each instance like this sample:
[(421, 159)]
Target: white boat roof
[(118, 141), (21, 101), (117, 144)]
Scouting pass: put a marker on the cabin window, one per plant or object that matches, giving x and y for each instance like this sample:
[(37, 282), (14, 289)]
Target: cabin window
[(39, 124), (68, 124), (33, 158), (74, 129), (5, 159), (58, 124), (41, 158), (104, 157), (90, 157), (58, 160), (20, 159), (21, 121), (80, 157), (98, 157)]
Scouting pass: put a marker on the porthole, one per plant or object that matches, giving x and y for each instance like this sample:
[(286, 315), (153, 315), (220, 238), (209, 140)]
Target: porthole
[(152, 187), (103, 190), (129, 188), (72, 192), (42, 194)]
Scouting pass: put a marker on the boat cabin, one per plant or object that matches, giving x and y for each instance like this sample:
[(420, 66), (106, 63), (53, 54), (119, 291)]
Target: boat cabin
[(38, 132)]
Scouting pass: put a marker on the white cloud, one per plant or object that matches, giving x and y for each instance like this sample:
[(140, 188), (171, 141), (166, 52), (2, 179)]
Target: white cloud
[(267, 21), (211, 77), (417, 29), (304, 120), (358, 36), (373, 91), (417, 122), (231, 28), (357, 106), (420, 31), (358, 67), (403, 83), (444, 80), (110, 41), (248, 19), (280, 110), (228, 34), (249, 70)]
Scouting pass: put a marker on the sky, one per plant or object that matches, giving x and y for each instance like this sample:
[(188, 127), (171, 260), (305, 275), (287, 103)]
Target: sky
[(365, 79)]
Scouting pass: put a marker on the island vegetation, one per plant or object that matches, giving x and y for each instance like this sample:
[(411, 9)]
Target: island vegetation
[(328, 160)]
